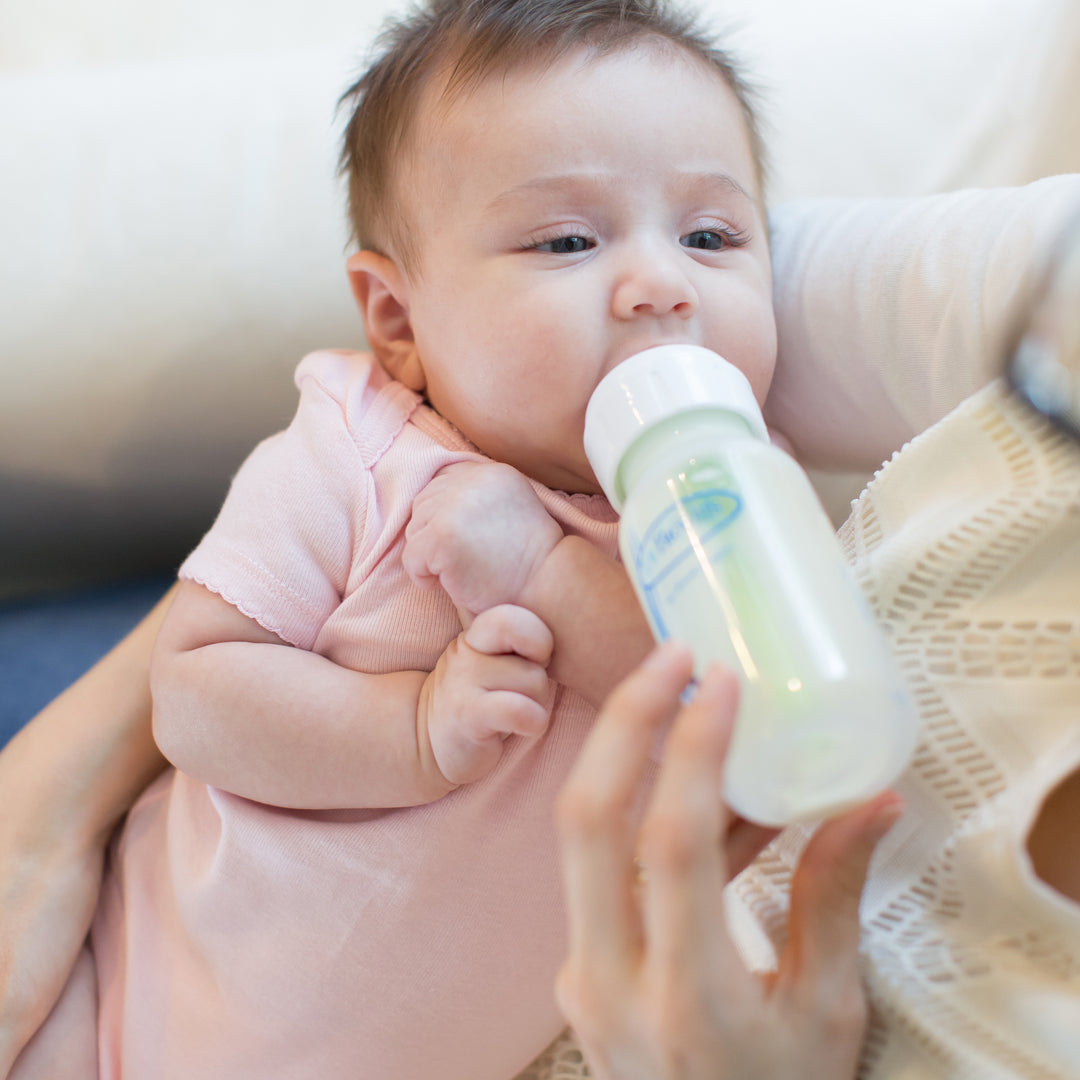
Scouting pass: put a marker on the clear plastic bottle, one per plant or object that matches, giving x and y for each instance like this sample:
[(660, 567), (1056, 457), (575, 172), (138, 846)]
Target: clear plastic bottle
[(730, 551)]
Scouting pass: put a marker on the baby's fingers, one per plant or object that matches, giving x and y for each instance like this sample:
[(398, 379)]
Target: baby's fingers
[(510, 712), (511, 629), (420, 551)]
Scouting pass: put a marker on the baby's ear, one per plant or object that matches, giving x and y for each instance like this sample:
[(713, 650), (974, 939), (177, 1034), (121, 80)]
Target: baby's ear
[(382, 294)]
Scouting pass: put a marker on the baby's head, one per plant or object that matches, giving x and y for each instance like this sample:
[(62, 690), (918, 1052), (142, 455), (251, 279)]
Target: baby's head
[(542, 188)]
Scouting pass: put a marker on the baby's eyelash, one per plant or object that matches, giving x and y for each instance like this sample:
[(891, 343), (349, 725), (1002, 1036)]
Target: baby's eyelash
[(570, 244), (728, 237), (716, 238)]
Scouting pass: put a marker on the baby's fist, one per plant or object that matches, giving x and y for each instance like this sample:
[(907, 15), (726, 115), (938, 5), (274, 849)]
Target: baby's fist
[(479, 530), (490, 682)]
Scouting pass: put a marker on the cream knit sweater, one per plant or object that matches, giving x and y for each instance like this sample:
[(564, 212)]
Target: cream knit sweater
[(967, 544)]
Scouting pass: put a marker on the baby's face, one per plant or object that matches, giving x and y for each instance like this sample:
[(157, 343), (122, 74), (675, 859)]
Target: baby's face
[(566, 218)]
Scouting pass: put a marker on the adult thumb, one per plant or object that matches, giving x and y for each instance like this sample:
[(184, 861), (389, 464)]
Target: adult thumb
[(823, 924)]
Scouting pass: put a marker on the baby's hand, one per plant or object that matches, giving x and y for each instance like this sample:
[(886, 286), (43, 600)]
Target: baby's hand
[(489, 683), (479, 530)]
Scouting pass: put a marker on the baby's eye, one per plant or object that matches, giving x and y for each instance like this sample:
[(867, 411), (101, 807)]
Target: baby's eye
[(565, 245), (707, 240)]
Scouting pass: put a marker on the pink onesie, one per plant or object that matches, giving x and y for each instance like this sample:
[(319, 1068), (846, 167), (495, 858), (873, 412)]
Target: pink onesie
[(238, 940)]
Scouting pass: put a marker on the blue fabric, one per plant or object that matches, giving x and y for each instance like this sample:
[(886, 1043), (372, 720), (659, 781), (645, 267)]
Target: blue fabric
[(47, 643)]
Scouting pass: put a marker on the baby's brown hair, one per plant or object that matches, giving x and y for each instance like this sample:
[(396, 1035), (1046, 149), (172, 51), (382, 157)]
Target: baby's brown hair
[(470, 40)]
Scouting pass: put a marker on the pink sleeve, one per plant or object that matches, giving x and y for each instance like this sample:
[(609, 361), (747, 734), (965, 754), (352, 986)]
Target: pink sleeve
[(281, 547)]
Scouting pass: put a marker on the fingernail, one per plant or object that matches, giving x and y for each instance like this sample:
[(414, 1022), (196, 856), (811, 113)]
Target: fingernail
[(662, 655), (887, 815)]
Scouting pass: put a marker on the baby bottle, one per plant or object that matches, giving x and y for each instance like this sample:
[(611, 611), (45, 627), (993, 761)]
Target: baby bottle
[(730, 551)]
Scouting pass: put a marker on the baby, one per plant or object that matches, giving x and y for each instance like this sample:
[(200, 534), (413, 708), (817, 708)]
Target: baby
[(353, 871)]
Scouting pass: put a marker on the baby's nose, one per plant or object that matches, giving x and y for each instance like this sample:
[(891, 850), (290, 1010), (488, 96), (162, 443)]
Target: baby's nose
[(654, 284)]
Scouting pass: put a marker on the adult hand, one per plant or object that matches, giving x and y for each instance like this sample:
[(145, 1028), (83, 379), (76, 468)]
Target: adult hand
[(653, 984), (489, 683), (480, 531)]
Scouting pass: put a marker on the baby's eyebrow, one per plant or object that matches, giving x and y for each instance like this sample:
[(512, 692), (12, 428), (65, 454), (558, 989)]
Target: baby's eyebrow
[(561, 184), (724, 181), (586, 183)]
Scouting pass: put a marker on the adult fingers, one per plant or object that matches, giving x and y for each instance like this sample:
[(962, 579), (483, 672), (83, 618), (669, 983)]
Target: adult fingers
[(594, 814), (680, 843), (508, 628), (821, 957)]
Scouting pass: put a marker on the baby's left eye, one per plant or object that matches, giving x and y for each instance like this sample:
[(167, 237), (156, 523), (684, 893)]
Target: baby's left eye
[(705, 240), (565, 245)]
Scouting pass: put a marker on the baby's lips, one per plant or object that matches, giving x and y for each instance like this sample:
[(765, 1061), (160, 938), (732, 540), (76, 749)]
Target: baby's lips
[(639, 345)]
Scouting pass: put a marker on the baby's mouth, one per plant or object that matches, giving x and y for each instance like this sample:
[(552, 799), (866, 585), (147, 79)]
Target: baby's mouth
[(638, 345)]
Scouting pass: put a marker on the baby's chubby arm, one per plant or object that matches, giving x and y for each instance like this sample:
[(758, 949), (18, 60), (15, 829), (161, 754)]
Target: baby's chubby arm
[(480, 531), (240, 709)]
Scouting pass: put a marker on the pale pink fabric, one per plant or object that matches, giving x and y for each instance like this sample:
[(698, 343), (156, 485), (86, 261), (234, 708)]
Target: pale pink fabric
[(239, 940)]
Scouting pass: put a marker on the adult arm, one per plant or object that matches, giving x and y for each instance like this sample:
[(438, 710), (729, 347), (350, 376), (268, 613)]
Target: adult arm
[(66, 780), (891, 311)]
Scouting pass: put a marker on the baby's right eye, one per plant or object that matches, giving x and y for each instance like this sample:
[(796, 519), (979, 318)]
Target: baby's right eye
[(564, 245)]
